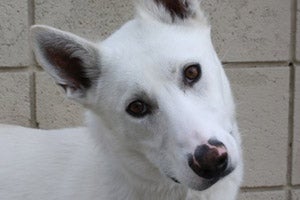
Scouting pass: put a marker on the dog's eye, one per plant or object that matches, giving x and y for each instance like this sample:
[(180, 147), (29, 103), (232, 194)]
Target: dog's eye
[(138, 109), (192, 73)]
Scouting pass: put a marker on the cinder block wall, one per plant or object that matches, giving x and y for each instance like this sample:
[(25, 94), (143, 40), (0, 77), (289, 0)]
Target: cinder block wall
[(257, 41)]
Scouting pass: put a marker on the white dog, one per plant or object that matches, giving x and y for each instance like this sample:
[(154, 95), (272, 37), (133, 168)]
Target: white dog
[(161, 118)]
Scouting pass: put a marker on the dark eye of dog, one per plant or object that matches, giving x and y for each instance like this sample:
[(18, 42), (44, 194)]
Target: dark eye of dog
[(138, 108), (192, 73)]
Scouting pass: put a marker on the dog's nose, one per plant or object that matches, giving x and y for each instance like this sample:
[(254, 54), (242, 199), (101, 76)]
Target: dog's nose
[(209, 160)]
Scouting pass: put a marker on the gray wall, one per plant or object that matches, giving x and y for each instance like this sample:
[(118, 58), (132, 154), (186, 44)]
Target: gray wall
[(256, 40)]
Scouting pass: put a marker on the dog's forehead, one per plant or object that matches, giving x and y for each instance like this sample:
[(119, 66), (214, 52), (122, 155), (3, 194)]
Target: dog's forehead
[(153, 52), (143, 44)]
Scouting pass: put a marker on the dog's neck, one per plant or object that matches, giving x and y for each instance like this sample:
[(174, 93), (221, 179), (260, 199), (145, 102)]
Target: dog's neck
[(129, 166)]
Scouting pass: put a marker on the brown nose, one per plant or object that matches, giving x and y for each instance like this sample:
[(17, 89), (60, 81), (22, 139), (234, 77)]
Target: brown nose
[(209, 160)]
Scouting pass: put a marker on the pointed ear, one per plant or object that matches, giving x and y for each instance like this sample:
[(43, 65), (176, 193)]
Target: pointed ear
[(72, 61), (172, 11)]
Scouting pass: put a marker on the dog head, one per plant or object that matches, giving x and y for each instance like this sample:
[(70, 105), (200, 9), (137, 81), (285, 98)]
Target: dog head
[(157, 85)]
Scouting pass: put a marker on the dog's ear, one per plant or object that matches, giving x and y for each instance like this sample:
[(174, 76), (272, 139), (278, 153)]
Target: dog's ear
[(173, 11), (72, 61)]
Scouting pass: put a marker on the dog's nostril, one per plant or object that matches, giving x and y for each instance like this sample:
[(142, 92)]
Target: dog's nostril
[(209, 161), (201, 153), (222, 162)]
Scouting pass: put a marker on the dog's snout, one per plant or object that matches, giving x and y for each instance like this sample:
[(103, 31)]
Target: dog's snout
[(209, 160)]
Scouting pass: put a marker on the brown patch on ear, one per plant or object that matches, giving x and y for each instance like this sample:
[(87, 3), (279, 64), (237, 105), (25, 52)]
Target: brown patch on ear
[(69, 68), (177, 8)]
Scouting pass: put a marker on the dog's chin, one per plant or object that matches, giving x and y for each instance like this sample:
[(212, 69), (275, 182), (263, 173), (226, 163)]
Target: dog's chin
[(205, 184), (197, 186)]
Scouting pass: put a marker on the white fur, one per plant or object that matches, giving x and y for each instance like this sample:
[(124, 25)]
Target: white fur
[(119, 157)]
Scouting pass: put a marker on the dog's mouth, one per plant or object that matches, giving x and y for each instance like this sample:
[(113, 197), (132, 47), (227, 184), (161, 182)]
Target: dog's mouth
[(174, 179)]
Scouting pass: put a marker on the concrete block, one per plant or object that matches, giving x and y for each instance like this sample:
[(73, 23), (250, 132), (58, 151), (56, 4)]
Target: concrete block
[(262, 99), (14, 46), (15, 98), (296, 194), (296, 143), (54, 110), (250, 30), (268, 195), (298, 33), (90, 19)]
